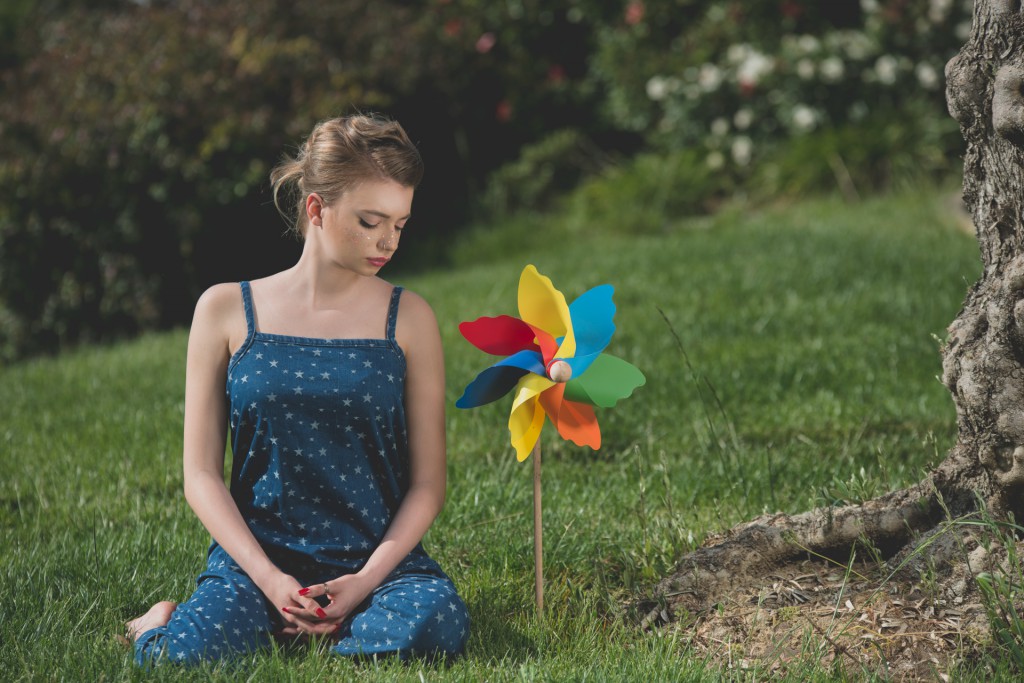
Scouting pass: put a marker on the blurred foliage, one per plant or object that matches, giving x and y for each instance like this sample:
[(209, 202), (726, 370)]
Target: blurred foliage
[(732, 77), (136, 135)]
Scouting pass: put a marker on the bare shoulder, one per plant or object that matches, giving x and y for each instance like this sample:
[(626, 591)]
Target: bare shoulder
[(219, 316), (414, 308), (219, 302), (417, 324)]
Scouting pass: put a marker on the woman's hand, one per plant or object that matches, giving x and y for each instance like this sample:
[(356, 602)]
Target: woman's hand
[(345, 594), (298, 610)]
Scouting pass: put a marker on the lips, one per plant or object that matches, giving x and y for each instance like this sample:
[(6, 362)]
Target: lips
[(377, 262)]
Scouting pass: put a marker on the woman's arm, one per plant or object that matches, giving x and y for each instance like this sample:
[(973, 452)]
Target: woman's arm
[(209, 349), (420, 339)]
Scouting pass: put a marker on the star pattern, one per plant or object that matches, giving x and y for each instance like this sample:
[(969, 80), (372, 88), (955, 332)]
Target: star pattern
[(332, 437), (320, 465)]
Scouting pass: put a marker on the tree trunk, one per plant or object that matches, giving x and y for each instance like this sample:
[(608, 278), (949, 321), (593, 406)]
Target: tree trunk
[(983, 365)]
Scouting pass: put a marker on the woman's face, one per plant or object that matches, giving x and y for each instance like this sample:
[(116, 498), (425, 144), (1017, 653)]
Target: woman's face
[(360, 230)]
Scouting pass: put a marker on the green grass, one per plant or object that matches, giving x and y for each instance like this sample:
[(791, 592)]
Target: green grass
[(810, 332)]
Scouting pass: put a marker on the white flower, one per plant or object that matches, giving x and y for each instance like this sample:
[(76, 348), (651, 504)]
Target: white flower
[(808, 43), (742, 150), (715, 160), (804, 118), (717, 13), (885, 68), (657, 88), (805, 69), (857, 45), (831, 69), (927, 76), (709, 77), (719, 127), (753, 68), (938, 9), (737, 53), (743, 118)]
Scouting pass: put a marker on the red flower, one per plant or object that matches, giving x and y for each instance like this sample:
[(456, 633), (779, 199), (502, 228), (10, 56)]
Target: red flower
[(791, 9), (634, 12), (485, 42), (453, 27), (503, 112)]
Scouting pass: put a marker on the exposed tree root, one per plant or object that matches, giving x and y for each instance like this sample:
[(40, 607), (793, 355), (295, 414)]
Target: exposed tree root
[(887, 587), (753, 549)]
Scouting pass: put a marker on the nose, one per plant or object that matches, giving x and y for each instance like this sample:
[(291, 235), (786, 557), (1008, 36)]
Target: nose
[(389, 240)]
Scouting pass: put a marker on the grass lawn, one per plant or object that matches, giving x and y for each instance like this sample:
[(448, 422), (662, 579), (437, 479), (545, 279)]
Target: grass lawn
[(811, 336)]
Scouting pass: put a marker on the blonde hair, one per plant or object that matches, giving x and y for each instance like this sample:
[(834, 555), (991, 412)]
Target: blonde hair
[(339, 154)]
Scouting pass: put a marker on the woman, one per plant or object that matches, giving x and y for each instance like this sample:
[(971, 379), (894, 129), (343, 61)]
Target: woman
[(334, 384)]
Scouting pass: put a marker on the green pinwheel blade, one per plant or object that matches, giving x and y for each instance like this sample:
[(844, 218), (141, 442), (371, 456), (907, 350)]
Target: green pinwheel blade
[(608, 380)]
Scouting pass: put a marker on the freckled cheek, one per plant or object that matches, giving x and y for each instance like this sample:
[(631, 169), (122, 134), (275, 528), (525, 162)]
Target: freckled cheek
[(354, 238)]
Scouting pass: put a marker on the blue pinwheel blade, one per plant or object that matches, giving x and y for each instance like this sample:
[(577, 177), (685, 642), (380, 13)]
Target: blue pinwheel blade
[(592, 313), (497, 380)]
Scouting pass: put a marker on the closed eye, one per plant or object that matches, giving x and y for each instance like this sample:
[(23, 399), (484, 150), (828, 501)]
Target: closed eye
[(367, 225)]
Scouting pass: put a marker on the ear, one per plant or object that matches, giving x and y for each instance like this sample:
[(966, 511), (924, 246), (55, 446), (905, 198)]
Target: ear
[(314, 207)]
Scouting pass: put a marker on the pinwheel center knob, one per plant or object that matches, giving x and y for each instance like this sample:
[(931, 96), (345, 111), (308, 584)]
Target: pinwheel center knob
[(559, 371)]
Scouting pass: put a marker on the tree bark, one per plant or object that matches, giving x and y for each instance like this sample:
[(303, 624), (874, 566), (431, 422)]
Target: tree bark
[(983, 359)]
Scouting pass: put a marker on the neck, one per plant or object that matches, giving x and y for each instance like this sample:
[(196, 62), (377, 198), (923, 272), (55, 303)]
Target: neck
[(316, 282)]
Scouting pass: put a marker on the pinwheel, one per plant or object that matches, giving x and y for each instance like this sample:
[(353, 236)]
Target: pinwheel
[(556, 364)]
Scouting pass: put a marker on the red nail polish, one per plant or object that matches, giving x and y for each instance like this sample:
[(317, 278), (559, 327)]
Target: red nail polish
[(321, 613), (285, 610), (304, 591)]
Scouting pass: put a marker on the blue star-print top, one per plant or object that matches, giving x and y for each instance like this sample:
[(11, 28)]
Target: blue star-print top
[(320, 451)]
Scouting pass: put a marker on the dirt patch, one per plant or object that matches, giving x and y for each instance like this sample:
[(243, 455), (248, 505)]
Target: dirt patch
[(864, 618)]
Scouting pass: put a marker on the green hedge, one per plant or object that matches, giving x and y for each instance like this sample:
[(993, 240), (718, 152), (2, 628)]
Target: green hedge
[(136, 137)]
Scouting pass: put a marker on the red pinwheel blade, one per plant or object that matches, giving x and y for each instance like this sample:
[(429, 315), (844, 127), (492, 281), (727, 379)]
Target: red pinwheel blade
[(499, 336)]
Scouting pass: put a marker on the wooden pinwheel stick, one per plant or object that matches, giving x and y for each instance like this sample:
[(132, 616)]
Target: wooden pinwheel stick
[(538, 531)]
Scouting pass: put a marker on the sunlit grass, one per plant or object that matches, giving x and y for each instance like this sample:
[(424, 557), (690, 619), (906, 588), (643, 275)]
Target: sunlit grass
[(811, 336)]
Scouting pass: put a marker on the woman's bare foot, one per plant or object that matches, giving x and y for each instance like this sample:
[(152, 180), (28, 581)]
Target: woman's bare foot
[(158, 615)]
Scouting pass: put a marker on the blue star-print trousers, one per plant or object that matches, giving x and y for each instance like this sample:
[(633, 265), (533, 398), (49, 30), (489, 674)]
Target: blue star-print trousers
[(414, 615)]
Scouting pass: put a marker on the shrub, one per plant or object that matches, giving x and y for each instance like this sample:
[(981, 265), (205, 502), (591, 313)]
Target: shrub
[(730, 78), (135, 147)]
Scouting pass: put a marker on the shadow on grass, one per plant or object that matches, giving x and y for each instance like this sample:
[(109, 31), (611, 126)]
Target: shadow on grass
[(495, 632)]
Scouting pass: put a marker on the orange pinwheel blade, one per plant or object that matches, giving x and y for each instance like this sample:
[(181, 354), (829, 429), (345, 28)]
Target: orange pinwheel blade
[(574, 421)]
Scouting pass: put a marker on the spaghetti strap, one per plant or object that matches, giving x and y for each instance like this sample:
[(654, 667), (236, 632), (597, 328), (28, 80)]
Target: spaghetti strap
[(396, 294), (250, 317)]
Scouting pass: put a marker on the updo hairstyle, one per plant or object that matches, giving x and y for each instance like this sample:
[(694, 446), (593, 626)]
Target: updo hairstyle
[(339, 154)]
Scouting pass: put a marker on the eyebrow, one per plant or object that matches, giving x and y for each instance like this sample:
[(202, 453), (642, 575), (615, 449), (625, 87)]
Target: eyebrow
[(384, 215)]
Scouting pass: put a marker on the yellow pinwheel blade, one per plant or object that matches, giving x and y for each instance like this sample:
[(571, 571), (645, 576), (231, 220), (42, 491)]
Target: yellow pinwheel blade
[(543, 306), (527, 416)]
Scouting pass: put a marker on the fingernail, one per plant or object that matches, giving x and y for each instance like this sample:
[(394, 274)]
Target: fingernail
[(321, 613), (285, 610), (304, 591)]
